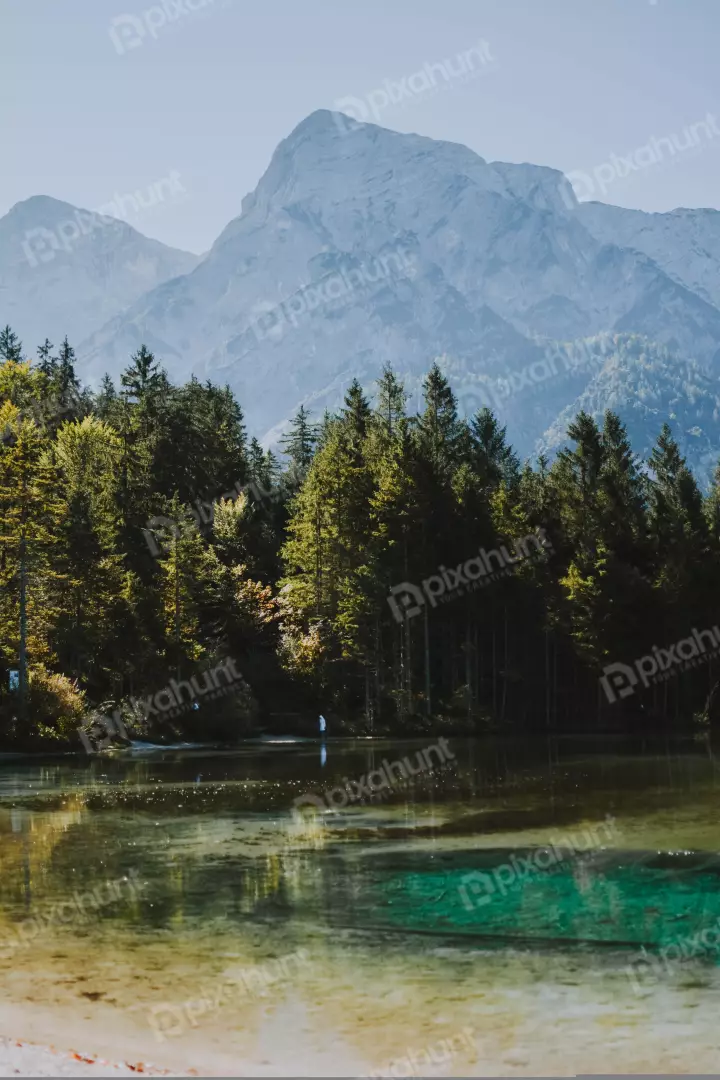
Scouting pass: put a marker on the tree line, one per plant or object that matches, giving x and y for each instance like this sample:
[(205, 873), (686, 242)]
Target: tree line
[(312, 569)]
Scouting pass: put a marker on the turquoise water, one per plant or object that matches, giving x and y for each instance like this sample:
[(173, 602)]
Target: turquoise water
[(514, 893)]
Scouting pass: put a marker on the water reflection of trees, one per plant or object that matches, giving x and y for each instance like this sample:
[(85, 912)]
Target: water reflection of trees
[(215, 838), (28, 841)]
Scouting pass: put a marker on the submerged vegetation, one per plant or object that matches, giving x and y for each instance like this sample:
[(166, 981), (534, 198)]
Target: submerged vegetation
[(145, 539)]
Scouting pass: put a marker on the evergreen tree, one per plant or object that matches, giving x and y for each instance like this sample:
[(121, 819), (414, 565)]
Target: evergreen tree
[(438, 428), (143, 377), (343, 578), (67, 381), (48, 362), (10, 346), (29, 577), (712, 507), (299, 442), (355, 416), (494, 461), (86, 457), (390, 407), (106, 399)]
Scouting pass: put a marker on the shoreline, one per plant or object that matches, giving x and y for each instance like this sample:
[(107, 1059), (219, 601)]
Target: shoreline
[(21, 1058)]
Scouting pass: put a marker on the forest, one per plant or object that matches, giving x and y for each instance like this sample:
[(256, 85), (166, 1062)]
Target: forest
[(147, 543)]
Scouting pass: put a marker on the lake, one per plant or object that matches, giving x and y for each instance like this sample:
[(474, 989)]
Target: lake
[(476, 907)]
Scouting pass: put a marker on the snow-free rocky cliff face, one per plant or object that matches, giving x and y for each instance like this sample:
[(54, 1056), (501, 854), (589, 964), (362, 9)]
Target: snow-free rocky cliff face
[(362, 246)]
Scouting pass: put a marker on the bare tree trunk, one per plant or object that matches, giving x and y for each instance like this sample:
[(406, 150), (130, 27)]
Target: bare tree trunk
[(409, 663), (494, 670), (547, 680), (401, 675), (379, 672), (468, 663), (505, 662), (712, 708), (428, 701)]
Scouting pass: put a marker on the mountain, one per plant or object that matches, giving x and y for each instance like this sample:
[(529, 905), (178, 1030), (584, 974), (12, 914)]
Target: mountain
[(361, 245), (68, 271), (647, 386), (685, 243)]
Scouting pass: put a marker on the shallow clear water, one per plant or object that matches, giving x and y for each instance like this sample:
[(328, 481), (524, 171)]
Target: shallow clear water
[(551, 908)]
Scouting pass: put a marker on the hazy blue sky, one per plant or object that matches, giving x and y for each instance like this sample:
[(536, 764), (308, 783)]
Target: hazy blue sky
[(213, 92)]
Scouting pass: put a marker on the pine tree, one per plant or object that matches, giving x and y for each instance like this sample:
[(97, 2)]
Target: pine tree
[(575, 477), (623, 490), (438, 428), (143, 375), (106, 399), (355, 416), (712, 507), (48, 362), (326, 553), (494, 461), (376, 509), (10, 346), (258, 470), (390, 406), (299, 442), (30, 514), (676, 507), (86, 456), (193, 583), (67, 382)]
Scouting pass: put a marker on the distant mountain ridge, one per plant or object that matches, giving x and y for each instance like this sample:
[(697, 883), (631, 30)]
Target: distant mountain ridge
[(685, 243), (647, 386), (68, 271), (361, 246)]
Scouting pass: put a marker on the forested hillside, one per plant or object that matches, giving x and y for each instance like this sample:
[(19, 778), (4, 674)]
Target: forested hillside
[(146, 540)]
